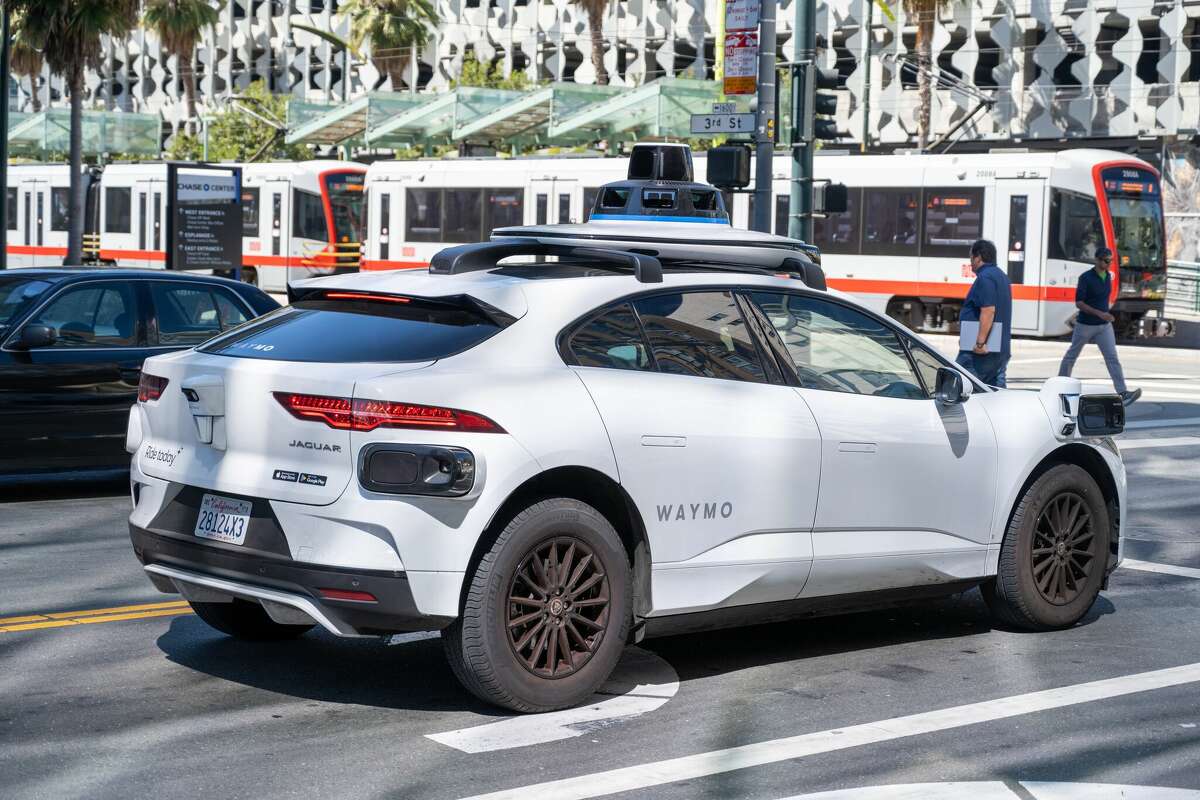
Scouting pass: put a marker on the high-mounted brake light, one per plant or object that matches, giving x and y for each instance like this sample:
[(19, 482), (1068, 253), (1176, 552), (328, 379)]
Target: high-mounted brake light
[(151, 387), (367, 415), (382, 298)]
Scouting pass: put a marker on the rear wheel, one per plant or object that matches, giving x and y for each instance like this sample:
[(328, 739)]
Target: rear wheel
[(243, 619), (547, 610), (1054, 554)]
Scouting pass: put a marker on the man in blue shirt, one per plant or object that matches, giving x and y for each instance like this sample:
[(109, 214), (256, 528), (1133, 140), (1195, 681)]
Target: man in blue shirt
[(989, 302), (1094, 324)]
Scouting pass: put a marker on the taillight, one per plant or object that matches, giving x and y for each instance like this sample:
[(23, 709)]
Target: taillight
[(347, 595), (367, 415), (151, 387)]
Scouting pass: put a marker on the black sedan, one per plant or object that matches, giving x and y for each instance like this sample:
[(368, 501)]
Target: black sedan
[(72, 342)]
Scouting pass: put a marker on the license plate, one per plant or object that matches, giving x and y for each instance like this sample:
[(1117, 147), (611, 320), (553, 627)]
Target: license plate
[(223, 519)]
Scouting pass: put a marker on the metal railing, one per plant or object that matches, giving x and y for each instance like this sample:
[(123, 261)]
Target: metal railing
[(336, 255), (1183, 288)]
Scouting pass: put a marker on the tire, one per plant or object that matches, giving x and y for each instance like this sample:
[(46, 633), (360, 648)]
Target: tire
[(1054, 587), (593, 621), (247, 621)]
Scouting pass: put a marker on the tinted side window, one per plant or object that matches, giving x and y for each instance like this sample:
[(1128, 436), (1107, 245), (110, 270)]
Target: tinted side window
[(462, 216), (250, 211), (1075, 232), (60, 208), (953, 220), (231, 312), (96, 315), (701, 334), (11, 208), (890, 221), (838, 233), (308, 216), (838, 349), (423, 221), (612, 340), (117, 203), (187, 313)]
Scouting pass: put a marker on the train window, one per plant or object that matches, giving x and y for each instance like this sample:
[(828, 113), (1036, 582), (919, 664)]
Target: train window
[(953, 221), (781, 213), (589, 201), (385, 223), (1018, 220), (542, 208), (838, 233), (250, 211), (424, 217), (462, 216), (60, 208), (890, 221), (1075, 232), (116, 209), (308, 216), (504, 207), (564, 208), (11, 208)]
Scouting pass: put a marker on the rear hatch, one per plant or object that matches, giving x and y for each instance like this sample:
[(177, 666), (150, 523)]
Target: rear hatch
[(266, 410)]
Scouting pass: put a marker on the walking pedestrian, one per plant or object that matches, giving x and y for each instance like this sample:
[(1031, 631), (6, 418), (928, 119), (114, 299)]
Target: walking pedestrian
[(1095, 324), (989, 302)]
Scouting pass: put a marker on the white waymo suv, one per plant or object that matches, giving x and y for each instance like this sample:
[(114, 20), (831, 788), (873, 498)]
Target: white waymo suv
[(671, 425)]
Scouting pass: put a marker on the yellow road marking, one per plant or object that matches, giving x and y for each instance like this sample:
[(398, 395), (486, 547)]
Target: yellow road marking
[(62, 619)]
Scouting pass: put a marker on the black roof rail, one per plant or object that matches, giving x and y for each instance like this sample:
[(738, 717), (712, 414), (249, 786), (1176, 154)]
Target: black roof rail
[(485, 255)]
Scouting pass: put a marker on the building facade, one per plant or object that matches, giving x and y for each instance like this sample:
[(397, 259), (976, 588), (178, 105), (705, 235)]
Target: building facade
[(1049, 69)]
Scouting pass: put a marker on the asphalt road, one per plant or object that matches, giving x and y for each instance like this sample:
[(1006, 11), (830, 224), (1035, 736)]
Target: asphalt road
[(141, 701)]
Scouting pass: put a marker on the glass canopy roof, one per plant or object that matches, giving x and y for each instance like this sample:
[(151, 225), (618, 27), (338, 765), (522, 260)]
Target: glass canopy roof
[(104, 132)]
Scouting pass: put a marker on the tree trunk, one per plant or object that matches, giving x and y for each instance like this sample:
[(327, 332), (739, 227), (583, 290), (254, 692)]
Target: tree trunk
[(75, 227), (596, 24), (924, 69), (395, 71), (35, 97), (189, 90)]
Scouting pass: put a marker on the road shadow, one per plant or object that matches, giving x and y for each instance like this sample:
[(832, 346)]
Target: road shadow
[(414, 675), (411, 675), (28, 491)]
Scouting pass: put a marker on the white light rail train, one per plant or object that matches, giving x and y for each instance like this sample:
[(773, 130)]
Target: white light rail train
[(901, 247), (299, 219)]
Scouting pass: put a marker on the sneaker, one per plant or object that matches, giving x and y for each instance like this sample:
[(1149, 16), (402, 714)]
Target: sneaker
[(1128, 398)]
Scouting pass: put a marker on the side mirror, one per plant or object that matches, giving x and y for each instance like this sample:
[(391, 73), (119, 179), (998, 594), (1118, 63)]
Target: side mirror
[(951, 387), (35, 336)]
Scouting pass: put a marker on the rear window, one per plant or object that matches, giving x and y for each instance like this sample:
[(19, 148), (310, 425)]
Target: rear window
[(348, 331)]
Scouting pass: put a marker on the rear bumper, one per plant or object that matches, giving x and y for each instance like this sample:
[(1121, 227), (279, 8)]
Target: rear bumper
[(210, 572)]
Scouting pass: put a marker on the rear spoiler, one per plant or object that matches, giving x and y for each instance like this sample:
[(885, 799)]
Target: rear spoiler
[(486, 255)]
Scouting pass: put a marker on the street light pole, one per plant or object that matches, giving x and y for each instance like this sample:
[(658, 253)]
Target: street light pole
[(764, 124), (804, 53)]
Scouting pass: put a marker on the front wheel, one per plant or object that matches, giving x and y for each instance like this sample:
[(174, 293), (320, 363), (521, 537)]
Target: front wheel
[(546, 612), (1055, 553)]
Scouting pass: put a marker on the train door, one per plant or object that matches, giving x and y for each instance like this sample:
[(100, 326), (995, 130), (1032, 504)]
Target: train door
[(150, 204), (1020, 215), (553, 201), (379, 244), (274, 199), (35, 205)]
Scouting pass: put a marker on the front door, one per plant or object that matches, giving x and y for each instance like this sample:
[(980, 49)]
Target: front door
[(907, 484), (1019, 213), (554, 201), (66, 406), (723, 464)]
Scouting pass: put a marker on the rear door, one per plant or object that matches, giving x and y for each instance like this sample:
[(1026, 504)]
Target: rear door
[(1020, 211), (74, 396), (723, 463)]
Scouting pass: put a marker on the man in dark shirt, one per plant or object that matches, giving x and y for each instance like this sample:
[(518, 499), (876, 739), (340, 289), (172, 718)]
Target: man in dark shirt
[(1094, 324), (989, 302)]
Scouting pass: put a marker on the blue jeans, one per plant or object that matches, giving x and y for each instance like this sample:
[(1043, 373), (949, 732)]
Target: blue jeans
[(991, 368)]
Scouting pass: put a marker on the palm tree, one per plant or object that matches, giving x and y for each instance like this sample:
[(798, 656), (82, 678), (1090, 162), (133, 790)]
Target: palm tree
[(68, 34), (392, 27), (595, 14), (26, 61), (925, 12), (179, 24)]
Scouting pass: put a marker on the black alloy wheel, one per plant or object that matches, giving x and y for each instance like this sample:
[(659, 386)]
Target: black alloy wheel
[(1062, 548), (558, 607)]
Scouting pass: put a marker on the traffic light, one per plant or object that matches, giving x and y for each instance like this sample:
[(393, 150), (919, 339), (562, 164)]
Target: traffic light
[(824, 106)]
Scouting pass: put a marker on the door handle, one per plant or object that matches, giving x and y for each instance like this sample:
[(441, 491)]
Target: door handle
[(664, 441), (856, 447)]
